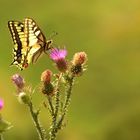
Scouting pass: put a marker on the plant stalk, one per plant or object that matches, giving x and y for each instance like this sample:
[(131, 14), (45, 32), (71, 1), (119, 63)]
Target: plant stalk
[(58, 125), (66, 103), (34, 114), (1, 136), (56, 110)]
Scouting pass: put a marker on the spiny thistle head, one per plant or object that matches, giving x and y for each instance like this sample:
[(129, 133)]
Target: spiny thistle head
[(58, 56), (79, 59), (46, 76), (18, 81), (1, 104), (48, 89)]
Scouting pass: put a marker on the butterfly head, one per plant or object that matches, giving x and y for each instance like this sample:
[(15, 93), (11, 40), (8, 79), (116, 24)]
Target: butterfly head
[(48, 44)]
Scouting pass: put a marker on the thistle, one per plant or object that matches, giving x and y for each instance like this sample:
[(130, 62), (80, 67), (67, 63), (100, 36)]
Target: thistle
[(18, 82), (58, 56), (4, 125), (78, 62), (47, 87), (25, 98), (1, 104), (56, 88)]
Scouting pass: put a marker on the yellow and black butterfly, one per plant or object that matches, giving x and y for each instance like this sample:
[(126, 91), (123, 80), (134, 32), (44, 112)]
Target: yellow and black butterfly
[(29, 42)]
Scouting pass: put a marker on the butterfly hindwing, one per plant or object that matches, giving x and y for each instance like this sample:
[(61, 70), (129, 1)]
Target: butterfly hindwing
[(17, 31)]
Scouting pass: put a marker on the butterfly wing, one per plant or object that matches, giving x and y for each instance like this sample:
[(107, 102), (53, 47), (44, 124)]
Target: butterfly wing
[(38, 53), (35, 39), (31, 39), (17, 31)]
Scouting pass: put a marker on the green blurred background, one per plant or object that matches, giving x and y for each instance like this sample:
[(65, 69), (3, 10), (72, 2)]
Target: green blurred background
[(106, 99)]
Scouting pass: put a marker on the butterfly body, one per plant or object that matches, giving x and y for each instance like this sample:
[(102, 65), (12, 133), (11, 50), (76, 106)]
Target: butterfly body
[(29, 42)]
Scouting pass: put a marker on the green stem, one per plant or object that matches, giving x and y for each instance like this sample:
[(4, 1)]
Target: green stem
[(41, 132), (66, 103), (56, 110), (68, 94), (65, 107), (57, 101), (51, 105), (54, 118), (1, 137)]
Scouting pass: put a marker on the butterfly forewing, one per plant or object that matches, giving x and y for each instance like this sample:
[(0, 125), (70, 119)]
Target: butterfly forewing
[(34, 38)]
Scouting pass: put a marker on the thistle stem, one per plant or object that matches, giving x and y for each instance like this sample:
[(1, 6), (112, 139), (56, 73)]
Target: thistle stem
[(66, 103), (58, 124), (50, 105), (54, 118), (34, 114), (68, 94), (56, 110), (1, 137)]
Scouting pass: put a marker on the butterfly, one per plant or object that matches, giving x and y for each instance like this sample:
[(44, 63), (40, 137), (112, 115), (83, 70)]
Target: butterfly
[(29, 42)]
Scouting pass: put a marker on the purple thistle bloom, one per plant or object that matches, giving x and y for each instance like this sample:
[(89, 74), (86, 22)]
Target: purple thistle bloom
[(58, 56), (1, 104)]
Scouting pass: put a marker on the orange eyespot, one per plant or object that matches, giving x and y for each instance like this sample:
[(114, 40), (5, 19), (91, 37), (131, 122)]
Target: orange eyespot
[(25, 65)]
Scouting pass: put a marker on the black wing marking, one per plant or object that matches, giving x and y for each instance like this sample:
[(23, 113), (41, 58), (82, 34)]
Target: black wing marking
[(17, 32)]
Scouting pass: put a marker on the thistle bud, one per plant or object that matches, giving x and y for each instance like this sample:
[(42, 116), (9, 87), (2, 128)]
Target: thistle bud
[(24, 98), (47, 87), (18, 81), (46, 76), (77, 67), (79, 58)]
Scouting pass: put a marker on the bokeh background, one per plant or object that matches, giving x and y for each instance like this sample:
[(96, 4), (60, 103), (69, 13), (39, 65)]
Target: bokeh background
[(106, 99)]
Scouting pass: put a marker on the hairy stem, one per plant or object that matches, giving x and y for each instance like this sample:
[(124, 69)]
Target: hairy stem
[(34, 114), (68, 94), (56, 108), (58, 126), (50, 105), (67, 102)]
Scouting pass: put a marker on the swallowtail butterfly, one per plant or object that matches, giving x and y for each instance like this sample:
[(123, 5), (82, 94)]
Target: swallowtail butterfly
[(29, 42)]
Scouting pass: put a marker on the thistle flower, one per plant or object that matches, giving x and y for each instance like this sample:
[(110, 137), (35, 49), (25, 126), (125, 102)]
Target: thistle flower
[(1, 104), (46, 76), (18, 81), (58, 56)]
